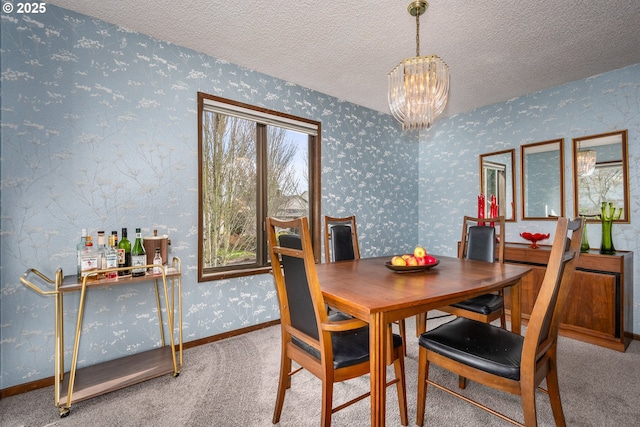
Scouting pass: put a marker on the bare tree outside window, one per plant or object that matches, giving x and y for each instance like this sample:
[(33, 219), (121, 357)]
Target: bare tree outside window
[(604, 185), (249, 170)]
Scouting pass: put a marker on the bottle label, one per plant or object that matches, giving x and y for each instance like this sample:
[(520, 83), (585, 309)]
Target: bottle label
[(89, 264), (121, 259), (138, 261), (111, 260)]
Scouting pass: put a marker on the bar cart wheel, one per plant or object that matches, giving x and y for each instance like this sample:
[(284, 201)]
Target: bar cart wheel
[(64, 412)]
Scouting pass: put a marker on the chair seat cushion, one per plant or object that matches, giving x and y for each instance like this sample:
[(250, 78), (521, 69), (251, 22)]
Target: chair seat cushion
[(484, 304), (349, 347), (477, 344)]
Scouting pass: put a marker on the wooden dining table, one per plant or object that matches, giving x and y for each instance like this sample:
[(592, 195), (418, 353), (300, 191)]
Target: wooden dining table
[(368, 290)]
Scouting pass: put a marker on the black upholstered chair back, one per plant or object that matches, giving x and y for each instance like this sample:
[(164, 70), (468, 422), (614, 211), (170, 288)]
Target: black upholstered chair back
[(340, 239), (476, 242), (481, 243), (342, 243), (301, 309)]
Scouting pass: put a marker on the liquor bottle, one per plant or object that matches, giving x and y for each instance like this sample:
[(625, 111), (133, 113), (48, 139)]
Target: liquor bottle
[(138, 256), (157, 262), (102, 254), (115, 238), (111, 258), (124, 254), (80, 247), (89, 260)]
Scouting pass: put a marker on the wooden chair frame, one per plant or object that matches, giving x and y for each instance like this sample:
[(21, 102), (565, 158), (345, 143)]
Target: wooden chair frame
[(539, 350), (421, 319), (322, 368), (330, 221)]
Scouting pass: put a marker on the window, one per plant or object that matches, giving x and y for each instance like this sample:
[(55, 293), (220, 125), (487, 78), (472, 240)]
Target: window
[(495, 183), (253, 163)]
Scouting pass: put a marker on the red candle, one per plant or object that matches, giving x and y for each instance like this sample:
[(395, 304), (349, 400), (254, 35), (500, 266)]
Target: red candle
[(493, 209), (481, 206)]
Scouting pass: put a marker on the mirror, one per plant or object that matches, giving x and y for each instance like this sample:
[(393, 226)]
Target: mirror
[(600, 174), (497, 177), (542, 179)]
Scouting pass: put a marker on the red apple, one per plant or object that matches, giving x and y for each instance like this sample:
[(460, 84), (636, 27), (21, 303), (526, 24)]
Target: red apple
[(422, 260), (430, 260), (411, 260)]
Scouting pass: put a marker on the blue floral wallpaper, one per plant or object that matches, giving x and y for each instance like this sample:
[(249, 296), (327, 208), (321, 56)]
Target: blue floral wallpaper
[(449, 171), (99, 131)]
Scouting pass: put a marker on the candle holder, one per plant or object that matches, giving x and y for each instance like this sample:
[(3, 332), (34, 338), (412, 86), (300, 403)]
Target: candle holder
[(534, 238)]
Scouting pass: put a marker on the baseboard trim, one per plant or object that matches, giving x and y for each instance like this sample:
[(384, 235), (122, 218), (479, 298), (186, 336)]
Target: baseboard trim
[(46, 382)]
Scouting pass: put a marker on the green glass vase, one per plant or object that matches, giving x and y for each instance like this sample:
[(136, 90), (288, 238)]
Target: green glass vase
[(584, 246), (606, 246), (608, 215)]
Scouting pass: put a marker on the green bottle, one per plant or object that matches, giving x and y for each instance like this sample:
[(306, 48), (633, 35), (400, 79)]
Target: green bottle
[(124, 254), (138, 256)]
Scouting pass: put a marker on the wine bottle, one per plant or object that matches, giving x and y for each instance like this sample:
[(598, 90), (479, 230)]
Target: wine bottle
[(124, 254), (111, 258), (138, 256), (157, 262), (80, 247)]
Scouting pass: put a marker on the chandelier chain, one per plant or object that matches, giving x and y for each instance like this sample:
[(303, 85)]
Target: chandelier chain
[(417, 34)]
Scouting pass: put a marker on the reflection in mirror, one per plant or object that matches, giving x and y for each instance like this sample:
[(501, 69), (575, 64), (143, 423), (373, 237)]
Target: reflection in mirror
[(600, 174), (497, 177), (542, 179)]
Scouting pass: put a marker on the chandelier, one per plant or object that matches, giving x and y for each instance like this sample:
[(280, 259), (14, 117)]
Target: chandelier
[(418, 86), (586, 160)]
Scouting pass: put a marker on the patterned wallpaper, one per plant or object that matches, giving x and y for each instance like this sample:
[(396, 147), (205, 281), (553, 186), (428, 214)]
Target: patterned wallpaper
[(99, 131), (449, 171)]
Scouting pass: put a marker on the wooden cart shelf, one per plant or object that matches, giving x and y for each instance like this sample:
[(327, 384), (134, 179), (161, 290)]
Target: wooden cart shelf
[(115, 374), (91, 381)]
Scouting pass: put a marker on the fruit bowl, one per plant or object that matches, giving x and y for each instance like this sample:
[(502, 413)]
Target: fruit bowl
[(409, 268), (534, 238)]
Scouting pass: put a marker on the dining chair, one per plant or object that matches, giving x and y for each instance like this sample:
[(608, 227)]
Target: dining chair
[(501, 359), (478, 242), (340, 239), (341, 243), (333, 348)]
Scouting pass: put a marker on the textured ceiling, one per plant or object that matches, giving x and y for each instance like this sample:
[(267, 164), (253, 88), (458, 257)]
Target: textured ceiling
[(496, 50)]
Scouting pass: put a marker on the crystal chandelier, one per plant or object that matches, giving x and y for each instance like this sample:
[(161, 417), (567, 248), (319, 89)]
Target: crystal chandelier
[(419, 86), (586, 160)]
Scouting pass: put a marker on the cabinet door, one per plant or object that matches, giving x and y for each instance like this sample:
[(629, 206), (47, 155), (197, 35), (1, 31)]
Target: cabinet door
[(530, 288), (591, 302)]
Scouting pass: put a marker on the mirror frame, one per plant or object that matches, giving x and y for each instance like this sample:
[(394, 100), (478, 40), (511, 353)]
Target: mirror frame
[(625, 172), (512, 151), (523, 181)]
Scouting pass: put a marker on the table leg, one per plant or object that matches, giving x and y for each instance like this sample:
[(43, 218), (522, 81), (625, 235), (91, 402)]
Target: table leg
[(516, 309), (377, 359)]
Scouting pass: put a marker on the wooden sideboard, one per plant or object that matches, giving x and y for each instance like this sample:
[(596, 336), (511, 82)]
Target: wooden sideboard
[(599, 309)]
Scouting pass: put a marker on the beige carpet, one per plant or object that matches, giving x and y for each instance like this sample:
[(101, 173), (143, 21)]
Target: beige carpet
[(233, 383)]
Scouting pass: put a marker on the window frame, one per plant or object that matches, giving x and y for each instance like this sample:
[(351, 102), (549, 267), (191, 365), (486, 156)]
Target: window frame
[(261, 116)]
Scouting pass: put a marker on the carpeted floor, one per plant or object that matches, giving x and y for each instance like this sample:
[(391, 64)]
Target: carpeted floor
[(233, 383)]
